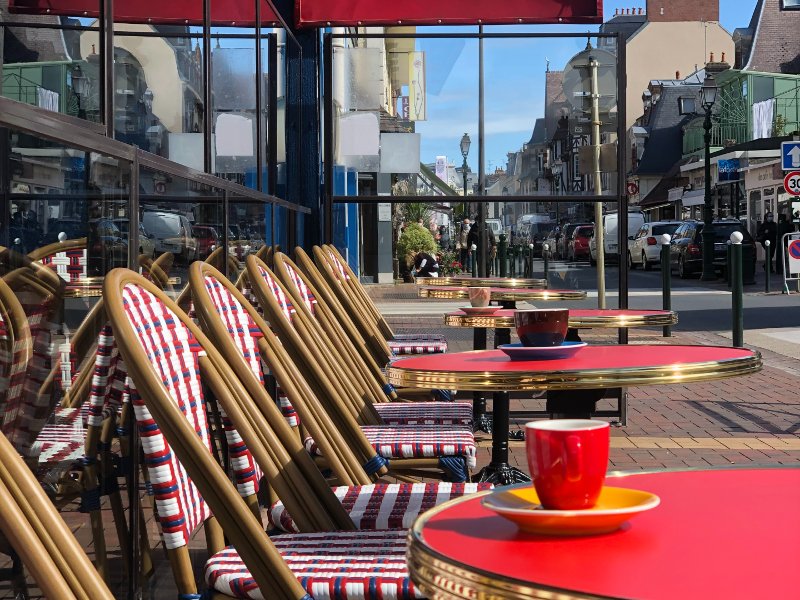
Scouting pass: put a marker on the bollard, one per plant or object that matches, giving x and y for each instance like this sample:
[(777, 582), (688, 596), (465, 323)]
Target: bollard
[(502, 255), (737, 300), (666, 279), (766, 270), (512, 261), (474, 260), (728, 264), (546, 258), (530, 261)]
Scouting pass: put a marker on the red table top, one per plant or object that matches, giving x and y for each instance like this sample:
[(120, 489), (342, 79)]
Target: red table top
[(582, 313), (588, 358), (716, 534)]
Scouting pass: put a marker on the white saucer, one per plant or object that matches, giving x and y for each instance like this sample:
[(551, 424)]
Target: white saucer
[(520, 352)]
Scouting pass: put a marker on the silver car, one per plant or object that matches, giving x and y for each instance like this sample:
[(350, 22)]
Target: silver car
[(645, 249)]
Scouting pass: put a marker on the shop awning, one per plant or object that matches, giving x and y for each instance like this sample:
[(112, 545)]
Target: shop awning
[(156, 12), (693, 198), (322, 13)]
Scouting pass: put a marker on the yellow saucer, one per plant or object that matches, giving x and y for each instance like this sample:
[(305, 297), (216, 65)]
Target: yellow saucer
[(614, 507)]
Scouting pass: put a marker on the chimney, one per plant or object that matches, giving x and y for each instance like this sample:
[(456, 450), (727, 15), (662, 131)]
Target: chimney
[(677, 74), (723, 57), (712, 58)]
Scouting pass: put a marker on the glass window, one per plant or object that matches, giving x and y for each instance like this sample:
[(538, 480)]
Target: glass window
[(790, 4), (687, 106), (662, 229)]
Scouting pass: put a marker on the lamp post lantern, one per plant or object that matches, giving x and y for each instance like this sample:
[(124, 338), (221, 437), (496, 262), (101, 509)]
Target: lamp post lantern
[(557, 168), (709, 97), (465, 144)]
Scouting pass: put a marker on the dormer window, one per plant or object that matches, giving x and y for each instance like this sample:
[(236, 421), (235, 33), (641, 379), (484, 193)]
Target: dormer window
[(687, 106), (790, 4)]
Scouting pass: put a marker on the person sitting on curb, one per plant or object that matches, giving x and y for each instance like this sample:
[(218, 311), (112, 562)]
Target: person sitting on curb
[(426, 265)]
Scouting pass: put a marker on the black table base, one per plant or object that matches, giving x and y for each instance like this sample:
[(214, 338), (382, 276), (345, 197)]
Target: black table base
[(499, 471)]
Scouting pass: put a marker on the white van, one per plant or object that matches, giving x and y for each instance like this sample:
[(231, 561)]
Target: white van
[(171, 232), (635, 221)]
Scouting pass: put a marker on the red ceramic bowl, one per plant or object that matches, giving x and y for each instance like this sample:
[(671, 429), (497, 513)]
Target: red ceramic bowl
[(542, 326)]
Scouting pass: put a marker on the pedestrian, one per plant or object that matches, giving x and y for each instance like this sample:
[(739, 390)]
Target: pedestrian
[(768, 232), (491, 245), (784, 227), (426, 265), (462, 243), (444, 237)]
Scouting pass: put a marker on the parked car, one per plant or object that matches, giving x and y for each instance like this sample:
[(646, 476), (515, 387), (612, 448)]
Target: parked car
[(106, 247), (686, 250), (147, 246), (611, 238), (578, 248), (207, 240), (562, 247), (646, 247), (536, 234), (172, 233)]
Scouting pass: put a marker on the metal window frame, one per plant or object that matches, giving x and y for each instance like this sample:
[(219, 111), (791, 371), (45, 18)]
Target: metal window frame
[(621, 198)]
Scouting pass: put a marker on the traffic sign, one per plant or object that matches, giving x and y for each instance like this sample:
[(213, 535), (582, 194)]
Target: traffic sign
[(791, 183), (793, 253), (790, 155)]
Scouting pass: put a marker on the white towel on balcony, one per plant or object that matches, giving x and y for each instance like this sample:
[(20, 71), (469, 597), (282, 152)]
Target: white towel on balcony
[(763, 113)]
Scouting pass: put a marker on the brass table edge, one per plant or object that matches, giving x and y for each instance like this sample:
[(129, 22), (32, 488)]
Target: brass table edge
[(441, 578), (571, 380), (519, 282), (507, 295), (501, 322)]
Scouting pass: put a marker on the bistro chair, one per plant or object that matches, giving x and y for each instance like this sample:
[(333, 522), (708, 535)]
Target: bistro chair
[(392, 413), (355, 297), (245, 340), (157, 343), (35, 531), (412, 449), (67, 258)]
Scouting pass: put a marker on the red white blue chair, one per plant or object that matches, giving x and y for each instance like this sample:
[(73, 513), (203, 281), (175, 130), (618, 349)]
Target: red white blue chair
[(448, 449), (167, 356)]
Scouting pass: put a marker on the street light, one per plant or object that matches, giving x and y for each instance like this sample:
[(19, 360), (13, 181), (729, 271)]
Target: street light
[(557, 168), (708, 98), (465, 144)]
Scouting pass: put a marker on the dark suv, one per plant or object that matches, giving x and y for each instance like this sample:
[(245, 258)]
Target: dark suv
[(686, 251)]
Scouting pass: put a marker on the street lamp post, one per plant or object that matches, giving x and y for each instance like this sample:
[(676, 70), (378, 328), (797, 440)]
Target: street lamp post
[(465, 144), (709, 97), (557, 167)]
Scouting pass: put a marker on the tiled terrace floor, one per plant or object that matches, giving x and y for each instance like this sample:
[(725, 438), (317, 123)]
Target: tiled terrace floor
[(753, 420)]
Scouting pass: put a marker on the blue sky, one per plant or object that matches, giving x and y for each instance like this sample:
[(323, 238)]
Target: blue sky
[(514, 84)]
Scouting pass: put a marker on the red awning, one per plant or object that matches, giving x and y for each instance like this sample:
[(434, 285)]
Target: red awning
[(240, 13), (321, 13)]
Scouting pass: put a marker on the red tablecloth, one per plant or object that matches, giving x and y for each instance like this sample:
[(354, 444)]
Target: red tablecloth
[(588, 358), (583, 313), (716, 534)]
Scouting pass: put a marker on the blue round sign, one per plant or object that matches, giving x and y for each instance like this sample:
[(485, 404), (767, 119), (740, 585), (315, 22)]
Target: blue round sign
[(794, 249)]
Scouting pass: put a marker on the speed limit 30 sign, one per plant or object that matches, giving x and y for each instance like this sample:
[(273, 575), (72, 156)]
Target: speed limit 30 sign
[(791, 183)]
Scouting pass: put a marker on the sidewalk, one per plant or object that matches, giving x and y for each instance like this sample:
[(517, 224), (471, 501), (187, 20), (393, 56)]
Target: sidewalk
[(753, 420)]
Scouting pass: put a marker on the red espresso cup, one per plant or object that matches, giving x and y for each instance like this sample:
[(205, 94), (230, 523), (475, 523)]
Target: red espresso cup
[(568, 459)]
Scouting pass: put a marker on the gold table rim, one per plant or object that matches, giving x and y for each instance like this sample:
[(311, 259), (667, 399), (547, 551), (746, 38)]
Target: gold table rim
[(609, 322), (441, 577), (509, 294), (503, 282), (577, 379)]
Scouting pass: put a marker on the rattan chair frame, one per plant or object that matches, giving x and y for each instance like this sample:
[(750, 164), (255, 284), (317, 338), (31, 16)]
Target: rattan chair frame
[(357, 313), (360, 293), (343, 462), (323, 371), (39, 535), (240, 524)]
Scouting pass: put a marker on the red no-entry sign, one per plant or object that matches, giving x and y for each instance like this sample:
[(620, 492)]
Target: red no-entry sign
[(791, 183)]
